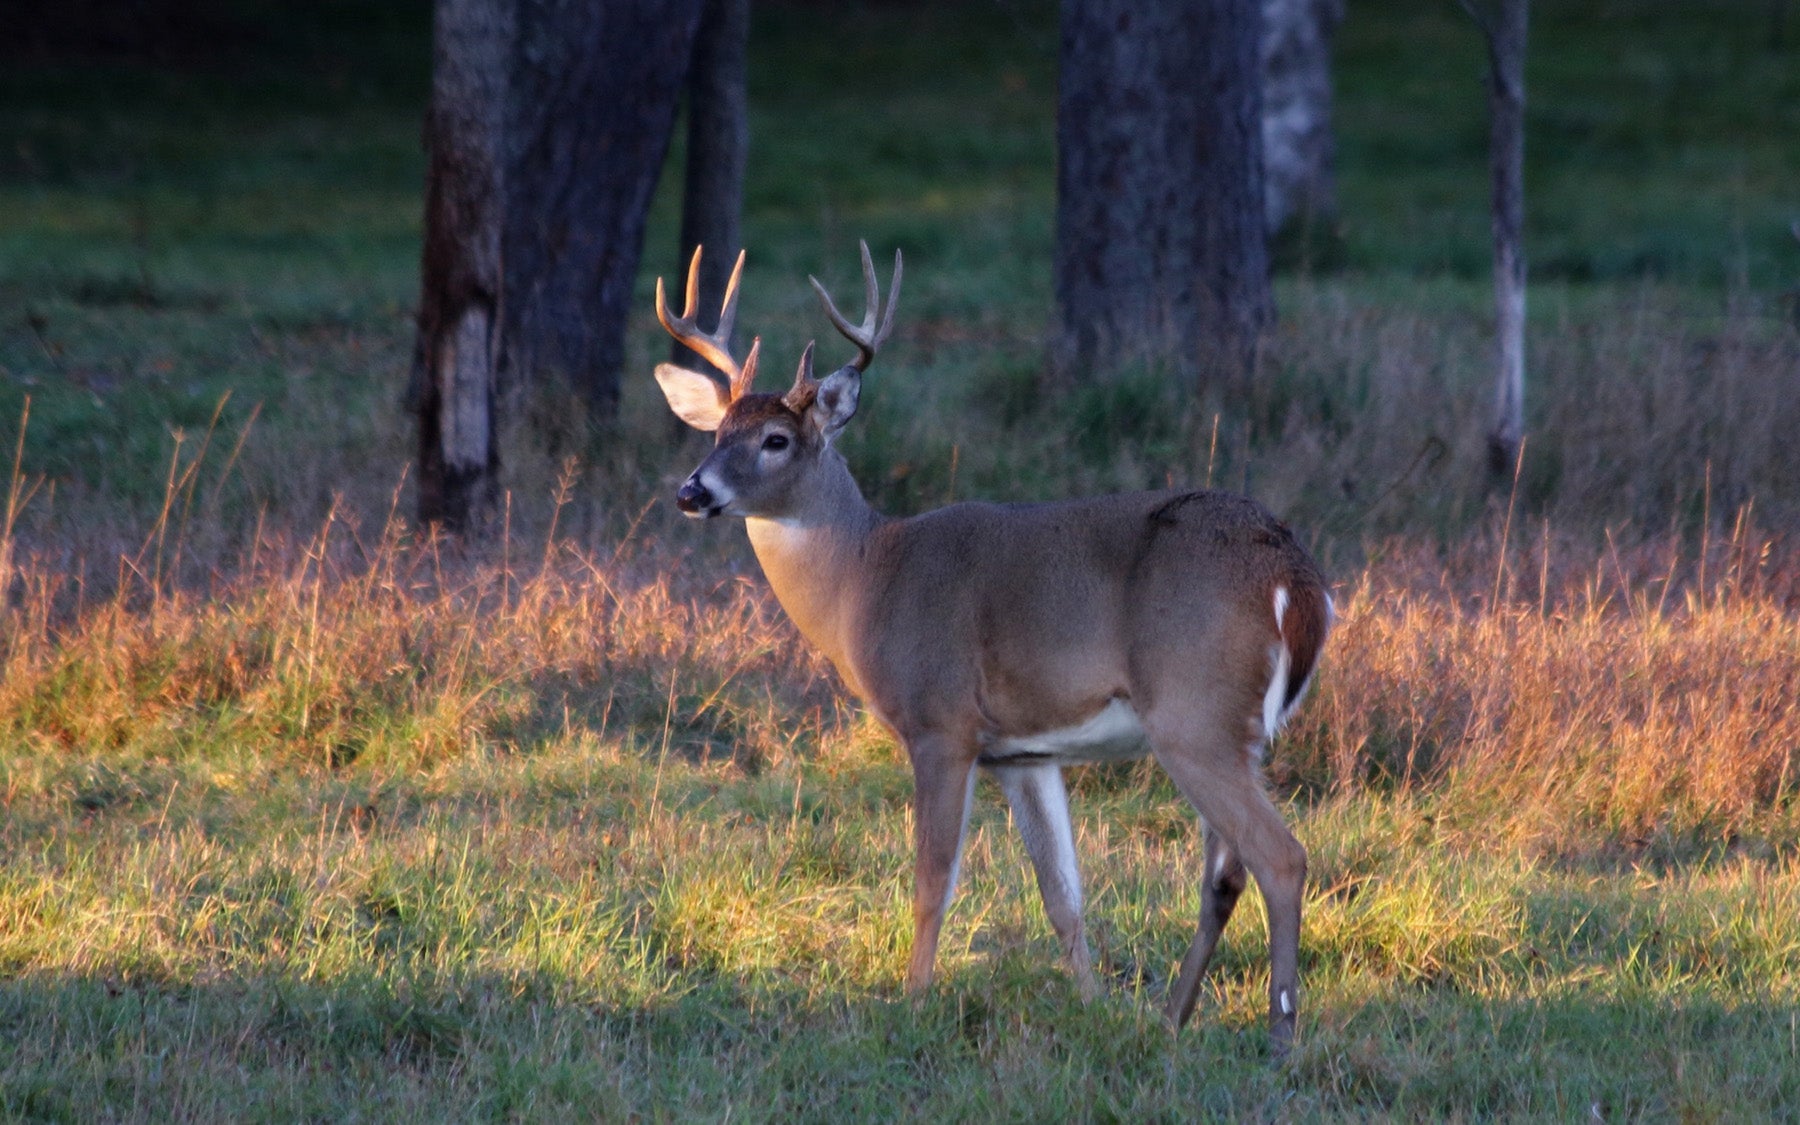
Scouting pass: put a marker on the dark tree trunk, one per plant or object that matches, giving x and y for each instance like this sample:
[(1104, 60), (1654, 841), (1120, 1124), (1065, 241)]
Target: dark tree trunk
[(548, 127), (1504, 28), (1161, 252), (594, 95), (1299, 149), (718, 142), (454, 384)]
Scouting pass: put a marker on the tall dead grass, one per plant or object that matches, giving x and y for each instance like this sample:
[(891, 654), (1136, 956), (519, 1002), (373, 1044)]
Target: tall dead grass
[(1629, 676), (397, 652), (1648, 412), (1647, 703), (1558, 702)]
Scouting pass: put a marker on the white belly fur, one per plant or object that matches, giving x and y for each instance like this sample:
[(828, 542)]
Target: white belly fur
[(1113, 734)]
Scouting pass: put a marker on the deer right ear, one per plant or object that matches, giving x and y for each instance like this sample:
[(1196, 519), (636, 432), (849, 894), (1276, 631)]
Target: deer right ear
[(834, 403), (695, 399)]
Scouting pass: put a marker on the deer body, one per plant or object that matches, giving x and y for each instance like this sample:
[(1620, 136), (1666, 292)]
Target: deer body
[(1024, 637), (999, 608)]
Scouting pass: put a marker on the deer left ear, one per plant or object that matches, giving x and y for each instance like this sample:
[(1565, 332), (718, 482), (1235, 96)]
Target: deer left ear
[(695, 399), (834, 401)]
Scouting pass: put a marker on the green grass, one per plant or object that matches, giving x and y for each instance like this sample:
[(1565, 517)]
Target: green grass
[(575, 930), (303, 817), (1642, 159)]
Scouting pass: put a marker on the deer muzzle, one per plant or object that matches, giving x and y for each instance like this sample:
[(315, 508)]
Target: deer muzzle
[(695, 499)]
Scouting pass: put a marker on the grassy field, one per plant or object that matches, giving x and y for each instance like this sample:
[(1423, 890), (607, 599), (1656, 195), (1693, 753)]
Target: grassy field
[(303, 815)]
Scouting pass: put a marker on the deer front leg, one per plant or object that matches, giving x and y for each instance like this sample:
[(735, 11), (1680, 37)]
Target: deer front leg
[(1040, 805), (943, 787)]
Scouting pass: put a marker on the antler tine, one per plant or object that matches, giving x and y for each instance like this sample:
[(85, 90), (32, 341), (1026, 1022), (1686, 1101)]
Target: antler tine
[(714, 347), (692, 300), (867, 338), (728, 312), (871, 293), (887, 321), (740, 382)]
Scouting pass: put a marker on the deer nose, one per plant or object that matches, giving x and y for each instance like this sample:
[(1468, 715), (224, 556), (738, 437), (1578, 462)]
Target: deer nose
[(695, 498)]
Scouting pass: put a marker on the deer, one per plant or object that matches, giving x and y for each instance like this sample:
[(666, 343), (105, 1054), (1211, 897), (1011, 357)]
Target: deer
[(1022, 638)]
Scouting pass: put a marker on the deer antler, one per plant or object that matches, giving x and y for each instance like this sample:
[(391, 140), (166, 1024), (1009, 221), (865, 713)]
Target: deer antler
[(714, 347), (865, 336)]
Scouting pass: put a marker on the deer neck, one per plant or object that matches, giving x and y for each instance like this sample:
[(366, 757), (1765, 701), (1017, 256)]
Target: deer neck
[(815, 554)]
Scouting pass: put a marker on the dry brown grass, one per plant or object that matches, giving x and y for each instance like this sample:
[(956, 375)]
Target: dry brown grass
[(404, 653), (1649, 412), (1558, 701), (1563, 701)]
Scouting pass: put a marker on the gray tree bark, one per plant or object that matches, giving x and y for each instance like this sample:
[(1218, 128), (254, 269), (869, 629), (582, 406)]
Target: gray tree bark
[(1161, 250), (548, 125), (1299, 147), (1503, 26), (718, 145), (594, 96), (456, 352)]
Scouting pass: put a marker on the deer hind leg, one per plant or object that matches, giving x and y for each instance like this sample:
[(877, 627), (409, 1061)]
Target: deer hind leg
[(1040, 806), (1220, 778), (1223, 883), (943, 787)]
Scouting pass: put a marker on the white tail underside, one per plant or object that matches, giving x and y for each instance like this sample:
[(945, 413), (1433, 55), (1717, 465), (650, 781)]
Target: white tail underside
[(1281, 663)]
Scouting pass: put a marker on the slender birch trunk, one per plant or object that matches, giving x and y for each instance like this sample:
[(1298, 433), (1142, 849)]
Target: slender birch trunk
[(1504, 29)]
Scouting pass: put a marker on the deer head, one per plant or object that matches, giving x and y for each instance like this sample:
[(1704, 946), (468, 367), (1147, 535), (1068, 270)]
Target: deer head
[(767, 445)]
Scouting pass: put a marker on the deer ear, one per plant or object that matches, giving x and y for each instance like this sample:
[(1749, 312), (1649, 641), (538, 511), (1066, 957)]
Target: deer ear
[(695, 399), (834, 402)]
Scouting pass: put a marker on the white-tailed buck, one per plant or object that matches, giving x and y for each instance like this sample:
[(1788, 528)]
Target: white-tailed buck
[(1025, 637)]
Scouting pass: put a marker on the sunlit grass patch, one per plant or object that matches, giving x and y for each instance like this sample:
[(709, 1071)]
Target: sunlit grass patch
[(1642, 715)]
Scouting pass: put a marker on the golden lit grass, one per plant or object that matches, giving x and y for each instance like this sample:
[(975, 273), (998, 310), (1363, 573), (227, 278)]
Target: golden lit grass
[(331, 650), (1606, 710), (375, 825)]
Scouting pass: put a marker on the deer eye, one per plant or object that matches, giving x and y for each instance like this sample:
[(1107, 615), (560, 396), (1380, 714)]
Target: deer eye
[(775, 441)]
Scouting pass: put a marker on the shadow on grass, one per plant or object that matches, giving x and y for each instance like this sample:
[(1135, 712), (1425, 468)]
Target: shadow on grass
[(1016, 1045)]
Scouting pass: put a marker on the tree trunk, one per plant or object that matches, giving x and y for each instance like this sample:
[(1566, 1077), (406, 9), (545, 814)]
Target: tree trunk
[(1161, 251), (1299, 149), (594, 94), (548, 126), (456, 351), (718, 142), (1505, 35)]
